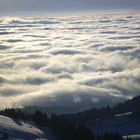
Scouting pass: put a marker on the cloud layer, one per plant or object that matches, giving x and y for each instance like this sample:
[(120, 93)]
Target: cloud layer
[(75, 61)]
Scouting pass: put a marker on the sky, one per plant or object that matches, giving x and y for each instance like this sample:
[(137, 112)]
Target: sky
[(8, 6)]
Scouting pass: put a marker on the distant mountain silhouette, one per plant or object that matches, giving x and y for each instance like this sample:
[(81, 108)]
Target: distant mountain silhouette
[(51, 110), (132, 105)]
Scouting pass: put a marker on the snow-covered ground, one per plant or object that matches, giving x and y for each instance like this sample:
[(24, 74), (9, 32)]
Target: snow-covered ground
[(124, 124), (133, 137), (17, 129)]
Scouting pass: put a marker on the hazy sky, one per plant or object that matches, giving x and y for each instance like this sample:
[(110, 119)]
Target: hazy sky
[(60, 5)]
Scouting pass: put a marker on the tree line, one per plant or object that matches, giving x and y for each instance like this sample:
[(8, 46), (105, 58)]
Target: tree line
[(132, 105), (63, 128)]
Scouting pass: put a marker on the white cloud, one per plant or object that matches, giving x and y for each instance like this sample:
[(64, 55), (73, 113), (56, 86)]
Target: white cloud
[(81, 62)]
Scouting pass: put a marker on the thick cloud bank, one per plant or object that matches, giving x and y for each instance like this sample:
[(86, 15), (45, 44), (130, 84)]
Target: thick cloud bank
[(74, 61)]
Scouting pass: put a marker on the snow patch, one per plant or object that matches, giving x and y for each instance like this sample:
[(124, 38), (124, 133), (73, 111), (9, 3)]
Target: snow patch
[(18, 129)]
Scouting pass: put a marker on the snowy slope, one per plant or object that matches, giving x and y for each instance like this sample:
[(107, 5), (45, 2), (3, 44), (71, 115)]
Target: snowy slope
[(17, 129), (134, 137), (124, 124)]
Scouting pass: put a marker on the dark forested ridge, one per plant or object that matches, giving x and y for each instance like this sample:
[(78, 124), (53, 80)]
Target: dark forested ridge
[(132, 105), (69, 127), (62, 128)]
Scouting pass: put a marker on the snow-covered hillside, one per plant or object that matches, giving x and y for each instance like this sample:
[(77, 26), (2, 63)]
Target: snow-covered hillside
[(17, 129), (133, 137), (124, 124)]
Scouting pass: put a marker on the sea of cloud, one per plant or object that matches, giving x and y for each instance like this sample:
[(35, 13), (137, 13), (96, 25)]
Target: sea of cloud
[(75, 61)]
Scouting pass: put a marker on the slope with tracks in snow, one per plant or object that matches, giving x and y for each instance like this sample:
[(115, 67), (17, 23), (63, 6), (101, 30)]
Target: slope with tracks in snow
[(18, 129)]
